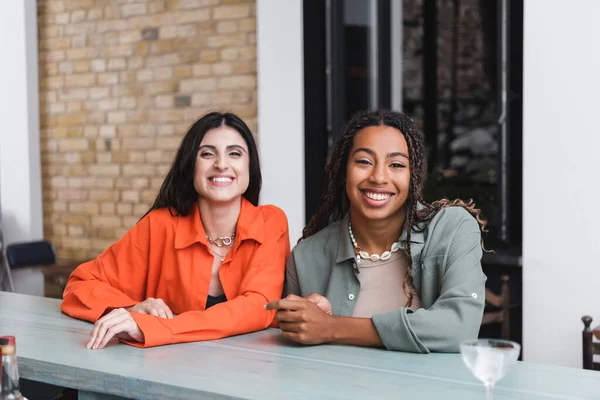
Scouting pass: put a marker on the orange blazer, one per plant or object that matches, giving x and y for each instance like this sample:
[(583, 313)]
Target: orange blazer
[(168, 257)]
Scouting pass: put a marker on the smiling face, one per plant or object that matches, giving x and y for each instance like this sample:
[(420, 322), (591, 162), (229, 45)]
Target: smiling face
[(222, 171), (378, 174)]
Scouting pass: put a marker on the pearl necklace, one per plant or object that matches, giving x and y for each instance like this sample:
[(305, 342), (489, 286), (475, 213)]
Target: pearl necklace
[(373, 257)]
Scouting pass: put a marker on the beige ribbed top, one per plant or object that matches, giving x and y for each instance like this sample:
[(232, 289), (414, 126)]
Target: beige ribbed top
[(381, 286)]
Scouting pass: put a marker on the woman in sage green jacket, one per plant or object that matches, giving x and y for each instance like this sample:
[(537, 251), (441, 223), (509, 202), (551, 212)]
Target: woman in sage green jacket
[(377, 265)]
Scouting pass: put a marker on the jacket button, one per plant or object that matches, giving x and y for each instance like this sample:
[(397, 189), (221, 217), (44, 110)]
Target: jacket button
[(474, 295), (351, 296)]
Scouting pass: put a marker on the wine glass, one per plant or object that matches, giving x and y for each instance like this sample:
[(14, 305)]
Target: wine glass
[(489, 360)]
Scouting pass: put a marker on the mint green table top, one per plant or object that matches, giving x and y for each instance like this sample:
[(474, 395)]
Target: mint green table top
[(51, 349)]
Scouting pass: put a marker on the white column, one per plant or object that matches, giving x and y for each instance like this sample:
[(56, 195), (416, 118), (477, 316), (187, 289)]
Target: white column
[(281, 107), (561, 138), (20, 176)]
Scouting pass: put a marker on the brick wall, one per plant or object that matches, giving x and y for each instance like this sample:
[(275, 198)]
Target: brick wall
[(120, 83)]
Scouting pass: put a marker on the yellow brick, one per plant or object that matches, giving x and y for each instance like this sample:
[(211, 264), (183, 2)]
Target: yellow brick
[(129, 10), (106, 221), (138, 170), (52, 82), (165, 130), (163, 73), (54, 55), (139, 183), (116, 117), (104, 158), (185, 17), (154, 156), (82, 66), (227, 27), (168, 143), (141, 48), (74, 107), (127, 130), (231, 11), (78, 5), (248, 53), (127, 77), (154, 88), (131, 36), (97, 93), (221, 68), (244, 68), (227, 40), (199, 70), (163, 101), (90, 208), (130, 196), (75, 230), (247, 25), (135, 63), (201, 99), (124, 209), (156, 7), (94, 14), (128, 103), (98, 65), (104, 170), (117, 64), (140, 209), (162, 60), (80, 80), (108, 78), (145, 75), (166, 116), (209, 55), (230, 54), (73, 144), (72, 119), (136, 157), (80, 53), (77, 16), (107, 208), (117, 50), (237, 82), (198, 85), (138, 143)]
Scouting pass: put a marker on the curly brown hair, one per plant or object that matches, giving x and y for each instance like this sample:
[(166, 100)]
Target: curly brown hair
[(334, 203)]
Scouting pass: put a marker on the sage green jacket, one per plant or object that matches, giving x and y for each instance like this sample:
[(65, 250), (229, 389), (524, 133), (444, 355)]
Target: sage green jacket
[(447, 275)]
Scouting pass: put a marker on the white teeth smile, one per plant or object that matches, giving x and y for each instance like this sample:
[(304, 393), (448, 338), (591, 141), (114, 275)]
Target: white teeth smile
[(377, 196), (221, 179)]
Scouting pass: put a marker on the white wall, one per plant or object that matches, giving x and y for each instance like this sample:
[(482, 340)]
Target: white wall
[(20, 176), (281, 107), (561, 177)]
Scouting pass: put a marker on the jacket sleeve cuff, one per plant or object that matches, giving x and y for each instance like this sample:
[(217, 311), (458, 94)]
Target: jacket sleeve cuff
[(155, 332), (395, 331)]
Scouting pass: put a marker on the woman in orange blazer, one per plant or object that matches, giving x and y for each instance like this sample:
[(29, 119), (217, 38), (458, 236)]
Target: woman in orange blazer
[(202, 262)]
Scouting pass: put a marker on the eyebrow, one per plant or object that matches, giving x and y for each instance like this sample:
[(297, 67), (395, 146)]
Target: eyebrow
[(230, 147), (389, 155)]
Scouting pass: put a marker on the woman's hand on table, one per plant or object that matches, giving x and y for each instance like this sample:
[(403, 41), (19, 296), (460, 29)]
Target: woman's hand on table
[(152, 306), (117, 323), (304, 320)]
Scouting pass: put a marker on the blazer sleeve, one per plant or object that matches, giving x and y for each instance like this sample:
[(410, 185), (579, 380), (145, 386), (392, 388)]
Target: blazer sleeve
[(115, 279), (262, 282), (456, 314)]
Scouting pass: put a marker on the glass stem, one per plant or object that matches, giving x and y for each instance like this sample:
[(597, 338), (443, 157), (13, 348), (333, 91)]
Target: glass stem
[(489, 391)]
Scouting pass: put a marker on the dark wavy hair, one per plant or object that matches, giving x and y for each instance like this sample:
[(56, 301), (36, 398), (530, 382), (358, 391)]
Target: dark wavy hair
[(334, 203), (177, 192)]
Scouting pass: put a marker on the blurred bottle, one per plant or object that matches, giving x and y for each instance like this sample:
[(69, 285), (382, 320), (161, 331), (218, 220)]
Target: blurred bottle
[(10, 371)]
